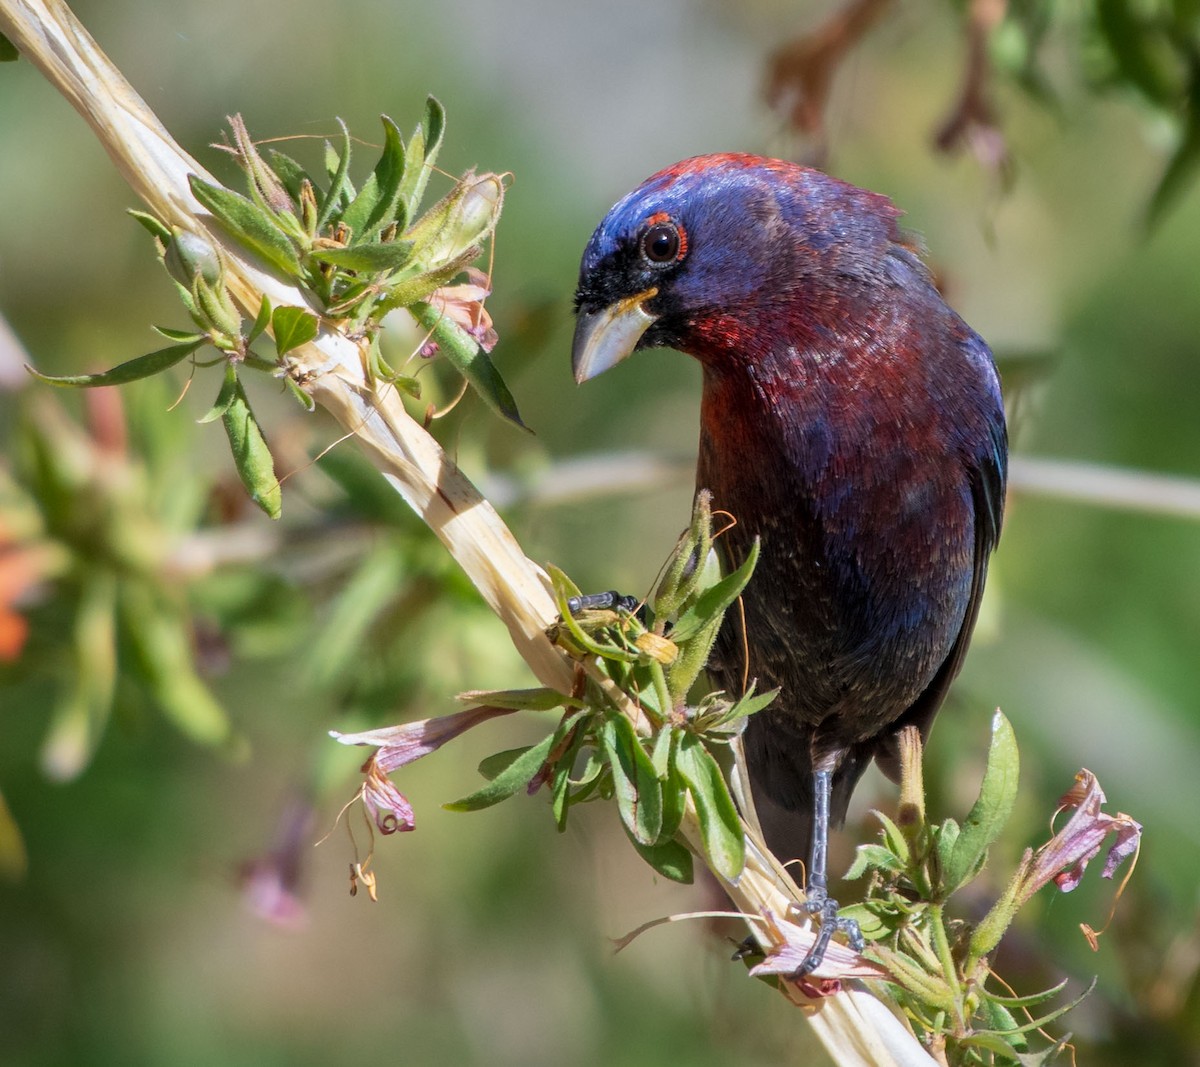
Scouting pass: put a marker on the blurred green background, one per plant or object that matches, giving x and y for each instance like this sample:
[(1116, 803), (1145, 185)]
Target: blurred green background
[(125, 935)]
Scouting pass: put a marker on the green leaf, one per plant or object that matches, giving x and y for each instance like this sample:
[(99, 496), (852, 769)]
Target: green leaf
[(1136, 48), (422, 151), (713, 602), (1029, 1000), (260, 321), (289, 172), (508, 779), (83, 710), (130, 371), (491, 767), (463, 351), (377, 204), (368, 257), (161, 643), (8, 50), (340, 189), (293, 327), (670, 858), (674, 796), (720, 827), (225, 396), (638, 790), (660, 754), (945, 837), (871, 924), (155, 226), (894, 840), (872, 857), (986, 819), (180, 337), (250, 454), (248, 224), (749, 704)]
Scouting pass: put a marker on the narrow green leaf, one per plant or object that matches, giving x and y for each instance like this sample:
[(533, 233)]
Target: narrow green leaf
[(82, 712), (180, 337), (340, 190), (248, 224), (872, 857), (161, 643), (289, 172), (463, 351), (894, 840), (638, 790), (130, 371), (377, 204), (260, 321), (251, 455), (491, 767), (720, 826), (302, 398), (986, 819), (416, 159), (945, 837), (670, 858), (508, 779), (994, 1044), (750, 704), (225, 396), (155, 226), (8, 50), (293, 327), (1031, 999), (660, 754), (713, 602), (367, 258), (674, 794)]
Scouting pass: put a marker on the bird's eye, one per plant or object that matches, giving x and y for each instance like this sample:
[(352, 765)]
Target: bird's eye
[(662, 243)]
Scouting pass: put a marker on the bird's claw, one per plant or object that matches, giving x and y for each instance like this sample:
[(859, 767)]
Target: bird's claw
[(821, 904)]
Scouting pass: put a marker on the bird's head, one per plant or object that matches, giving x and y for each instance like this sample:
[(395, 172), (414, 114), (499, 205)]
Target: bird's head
[(701, 255)]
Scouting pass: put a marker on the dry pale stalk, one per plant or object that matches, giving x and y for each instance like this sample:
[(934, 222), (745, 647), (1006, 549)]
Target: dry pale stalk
[(856, 1028)]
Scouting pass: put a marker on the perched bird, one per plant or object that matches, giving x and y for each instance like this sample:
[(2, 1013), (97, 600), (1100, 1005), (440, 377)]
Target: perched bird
[(852, 422)]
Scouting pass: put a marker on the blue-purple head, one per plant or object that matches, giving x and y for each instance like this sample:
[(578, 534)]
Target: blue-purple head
[(711, 243)]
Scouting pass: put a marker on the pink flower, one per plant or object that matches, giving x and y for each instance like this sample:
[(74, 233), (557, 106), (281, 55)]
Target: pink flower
[(401, 745), (463, 304), (1065, 856), (790, 945)]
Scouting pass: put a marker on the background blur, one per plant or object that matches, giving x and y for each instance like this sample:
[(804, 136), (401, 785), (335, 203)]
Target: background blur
[(125, 934)]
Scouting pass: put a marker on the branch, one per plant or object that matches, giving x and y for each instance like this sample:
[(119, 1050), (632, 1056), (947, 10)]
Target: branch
[(856, 1028)]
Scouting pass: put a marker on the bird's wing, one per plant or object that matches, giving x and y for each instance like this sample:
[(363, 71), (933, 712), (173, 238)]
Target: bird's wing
[(988, 472)]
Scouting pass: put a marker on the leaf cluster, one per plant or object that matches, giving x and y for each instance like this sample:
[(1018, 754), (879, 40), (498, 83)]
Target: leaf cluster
[(355, 253), (1146, 51), (672, 753), (941, 978)]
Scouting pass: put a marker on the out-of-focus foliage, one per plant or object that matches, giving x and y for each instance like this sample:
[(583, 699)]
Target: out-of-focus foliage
[(121, 929)]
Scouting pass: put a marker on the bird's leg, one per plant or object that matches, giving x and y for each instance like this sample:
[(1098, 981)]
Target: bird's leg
[(817, 898)]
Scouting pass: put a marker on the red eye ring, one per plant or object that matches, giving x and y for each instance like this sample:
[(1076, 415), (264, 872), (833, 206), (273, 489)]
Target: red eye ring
[(663, 241)]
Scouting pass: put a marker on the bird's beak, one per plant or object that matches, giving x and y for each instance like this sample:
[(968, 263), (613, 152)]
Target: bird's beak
[(603, 338)]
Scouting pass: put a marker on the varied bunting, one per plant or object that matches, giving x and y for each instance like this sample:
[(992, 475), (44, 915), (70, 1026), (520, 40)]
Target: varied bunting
[(852, 422)]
